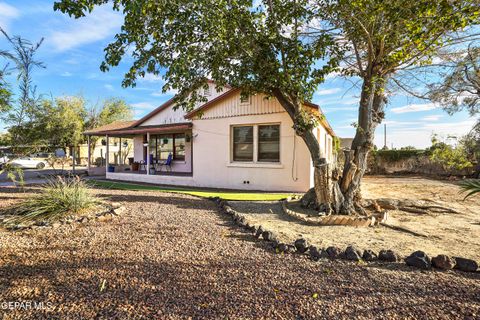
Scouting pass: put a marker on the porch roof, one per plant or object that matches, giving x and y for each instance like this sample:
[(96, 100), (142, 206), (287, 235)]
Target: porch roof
[(128, 128)]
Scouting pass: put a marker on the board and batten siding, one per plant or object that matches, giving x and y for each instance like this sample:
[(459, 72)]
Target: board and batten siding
[(232, 107)]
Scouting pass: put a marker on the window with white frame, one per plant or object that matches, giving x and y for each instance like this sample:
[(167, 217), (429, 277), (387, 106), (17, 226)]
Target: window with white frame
[(245, 100), (206, 91), (256, 143), (269, 143), (243, 143)]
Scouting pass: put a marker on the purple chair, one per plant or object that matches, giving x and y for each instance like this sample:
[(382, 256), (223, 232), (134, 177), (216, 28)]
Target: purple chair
[(167, 163)]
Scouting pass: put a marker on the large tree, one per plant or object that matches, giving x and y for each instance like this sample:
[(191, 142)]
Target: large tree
[(284, 49), (382, 38)]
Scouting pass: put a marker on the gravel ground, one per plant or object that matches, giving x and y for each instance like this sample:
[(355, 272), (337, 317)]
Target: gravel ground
[(451, 234), (174, 257)]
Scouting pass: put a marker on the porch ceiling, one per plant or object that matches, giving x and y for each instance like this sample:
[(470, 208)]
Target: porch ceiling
[(132, 131)]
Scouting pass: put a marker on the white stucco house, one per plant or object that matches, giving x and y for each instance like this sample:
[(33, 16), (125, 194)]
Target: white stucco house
[(226, 143)]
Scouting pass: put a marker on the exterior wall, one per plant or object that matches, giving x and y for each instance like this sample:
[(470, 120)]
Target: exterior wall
[(154, 179), (212, 165), (212, 149), (138, 148), (169, 115)]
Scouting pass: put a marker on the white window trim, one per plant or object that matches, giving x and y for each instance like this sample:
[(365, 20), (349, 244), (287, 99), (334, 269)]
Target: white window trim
[(247, 102), (255, 162), (207, 92)]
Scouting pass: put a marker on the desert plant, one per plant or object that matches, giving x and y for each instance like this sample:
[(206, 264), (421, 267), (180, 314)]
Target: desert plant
[(470, 186), (14, 174), (57, 198)]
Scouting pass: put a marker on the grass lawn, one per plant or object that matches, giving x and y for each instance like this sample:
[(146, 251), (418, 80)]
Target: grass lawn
[(206, 193)]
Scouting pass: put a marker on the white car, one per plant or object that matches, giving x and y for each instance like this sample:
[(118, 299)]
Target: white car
[(28, 163)]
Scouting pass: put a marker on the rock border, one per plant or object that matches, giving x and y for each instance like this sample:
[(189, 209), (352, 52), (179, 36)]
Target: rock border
[(417, 259)]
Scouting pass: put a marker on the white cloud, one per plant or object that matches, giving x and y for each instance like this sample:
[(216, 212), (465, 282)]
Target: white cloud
[(414, 108), (331, 109), (162, 94), (433, 117), (149, 77), (333, 75), (66, 74), (109, 87), (326, 92), (100, 24), (7, 14), (419, 135), (144, 106)]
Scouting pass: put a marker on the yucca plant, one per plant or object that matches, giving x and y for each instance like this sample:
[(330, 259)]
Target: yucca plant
[(58, 198), (470, 186), (14, 174)]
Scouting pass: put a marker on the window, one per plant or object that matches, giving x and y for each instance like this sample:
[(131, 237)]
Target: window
[(256, 143), (179, 143), (162, 145), (244, 100), (206, 91), (269, 143), (243, 143)]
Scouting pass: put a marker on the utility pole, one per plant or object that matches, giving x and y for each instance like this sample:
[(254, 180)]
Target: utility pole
[(385, 136)]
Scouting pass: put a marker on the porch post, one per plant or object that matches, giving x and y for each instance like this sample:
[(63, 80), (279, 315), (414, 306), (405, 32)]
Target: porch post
[(148, 153), (106, 153), (120, 151), (88, 153)]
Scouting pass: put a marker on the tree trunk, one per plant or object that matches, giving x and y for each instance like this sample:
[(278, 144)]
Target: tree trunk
[(370, 114), (337, 194)]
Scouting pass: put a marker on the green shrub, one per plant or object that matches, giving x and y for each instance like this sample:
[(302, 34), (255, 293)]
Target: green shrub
[(57, 198)]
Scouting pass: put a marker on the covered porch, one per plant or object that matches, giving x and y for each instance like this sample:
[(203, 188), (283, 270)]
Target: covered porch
[(143, 153)]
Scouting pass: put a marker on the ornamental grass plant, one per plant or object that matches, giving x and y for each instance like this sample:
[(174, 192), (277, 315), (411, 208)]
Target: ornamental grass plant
[(58, 197)]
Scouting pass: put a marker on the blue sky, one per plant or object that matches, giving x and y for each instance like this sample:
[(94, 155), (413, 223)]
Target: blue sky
[(73, 50)]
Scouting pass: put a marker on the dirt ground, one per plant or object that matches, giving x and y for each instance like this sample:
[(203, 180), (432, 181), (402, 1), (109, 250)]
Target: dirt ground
[(452, 234), (172, 256)]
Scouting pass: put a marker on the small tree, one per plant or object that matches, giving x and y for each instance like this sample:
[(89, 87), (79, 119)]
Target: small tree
[(112, 110), (62, 121), (23, 112), (448, 155)]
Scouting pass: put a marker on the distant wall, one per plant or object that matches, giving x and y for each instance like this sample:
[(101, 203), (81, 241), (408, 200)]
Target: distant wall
[(409, 161)]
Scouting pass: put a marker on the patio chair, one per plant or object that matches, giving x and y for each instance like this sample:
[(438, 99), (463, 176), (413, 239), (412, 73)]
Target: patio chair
[(167, 163), (143, 166)]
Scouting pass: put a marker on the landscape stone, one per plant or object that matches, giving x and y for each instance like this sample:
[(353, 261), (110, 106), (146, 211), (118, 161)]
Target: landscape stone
[(388, 256), (443, 262), (419, 259), (314, 253), (466, 265), (259, 232), (369, 255), (352, 253), (334, 252), (301, 245), (286, 248), (268, 236)]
